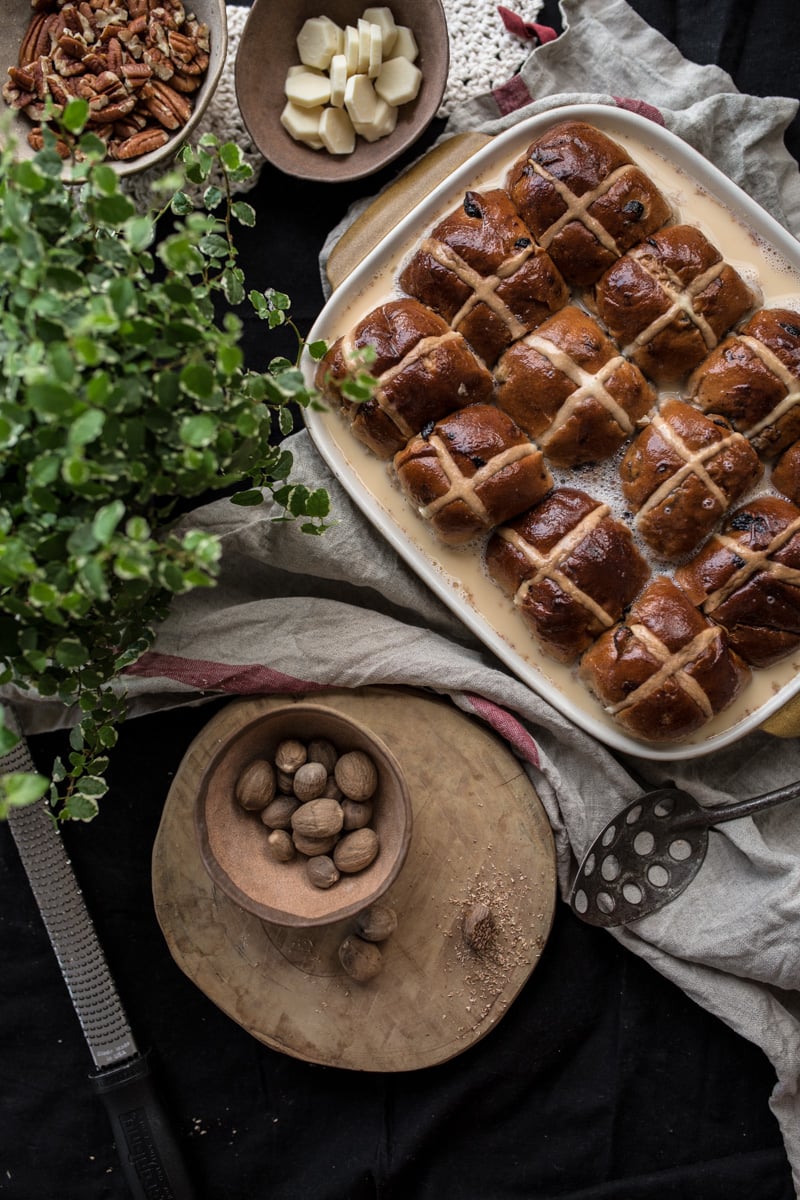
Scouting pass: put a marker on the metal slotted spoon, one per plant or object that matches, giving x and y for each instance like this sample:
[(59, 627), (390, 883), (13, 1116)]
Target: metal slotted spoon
[(651, 851)]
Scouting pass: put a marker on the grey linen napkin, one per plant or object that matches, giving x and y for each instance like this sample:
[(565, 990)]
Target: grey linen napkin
[(293, 613)]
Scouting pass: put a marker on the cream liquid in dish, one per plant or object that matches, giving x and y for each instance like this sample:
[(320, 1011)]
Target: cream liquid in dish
[(767, 258)]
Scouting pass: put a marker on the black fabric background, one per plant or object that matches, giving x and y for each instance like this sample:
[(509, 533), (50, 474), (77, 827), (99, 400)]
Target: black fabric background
[(603, 1081)]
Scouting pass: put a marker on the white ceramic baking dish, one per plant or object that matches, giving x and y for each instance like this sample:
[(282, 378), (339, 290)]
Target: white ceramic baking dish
[(749, 238)]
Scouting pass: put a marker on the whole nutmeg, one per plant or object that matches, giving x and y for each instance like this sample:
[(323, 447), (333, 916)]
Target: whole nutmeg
[(278, 813), (318, 819), (255, 786), (361, 960), (332, 789), (478, 927), (355, 851), (357, 814), (284, 781), (313, 846), (376, 923), (281, 846), (356, 774), (320, 750), (289, 755), (322, 872), (309, 781)]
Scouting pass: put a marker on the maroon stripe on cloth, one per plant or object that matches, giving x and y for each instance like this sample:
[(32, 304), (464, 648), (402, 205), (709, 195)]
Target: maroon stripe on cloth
[(507, 726), (511, 95), (641, 107), (525, 29), (248, 680)]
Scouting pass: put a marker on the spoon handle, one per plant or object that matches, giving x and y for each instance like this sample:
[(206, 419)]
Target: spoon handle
[(740, 808)]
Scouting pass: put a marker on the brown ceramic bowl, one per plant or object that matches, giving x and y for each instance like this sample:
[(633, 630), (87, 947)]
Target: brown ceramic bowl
[(268, 47), (233, 842), (16, 19)]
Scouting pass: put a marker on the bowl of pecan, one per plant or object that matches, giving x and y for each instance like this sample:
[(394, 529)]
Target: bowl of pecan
[(303, 815), (147, 69)]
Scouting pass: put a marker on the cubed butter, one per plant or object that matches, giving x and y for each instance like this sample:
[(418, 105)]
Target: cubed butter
[(338, 76), (383, 122), (384, 17), (405, 45), (375, 51), (399, 81), (360, 99), (317, 42), (336, 131), (308, 89), (303, 124), (351, 49)]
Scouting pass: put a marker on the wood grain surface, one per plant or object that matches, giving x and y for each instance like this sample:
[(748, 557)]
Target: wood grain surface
[(480, 835)]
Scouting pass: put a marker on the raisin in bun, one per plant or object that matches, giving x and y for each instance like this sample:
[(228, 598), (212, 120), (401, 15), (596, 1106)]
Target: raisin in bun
[(681, 473), (747, 578), (423, 371), (482, 271), (471, 470), (570, 567), (665, 670), (753, 379), (567, 385), (584, 199), (669, 300)]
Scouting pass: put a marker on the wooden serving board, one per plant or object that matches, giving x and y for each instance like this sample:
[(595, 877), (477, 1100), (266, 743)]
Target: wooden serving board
[(480, 834)]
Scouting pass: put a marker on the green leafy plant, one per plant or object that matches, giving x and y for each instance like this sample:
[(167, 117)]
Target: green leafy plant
[(124, 393)]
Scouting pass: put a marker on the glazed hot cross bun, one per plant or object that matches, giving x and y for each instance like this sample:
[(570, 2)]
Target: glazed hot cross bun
[(669, 300), (584, 199), (665, 670), (471, 470), (570, 567), (747, 578), (482, 271), (681, 473), (753, 379), (567, 385), (423, 368)]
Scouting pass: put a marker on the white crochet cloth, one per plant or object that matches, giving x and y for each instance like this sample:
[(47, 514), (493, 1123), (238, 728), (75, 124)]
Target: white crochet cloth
[(482, 55)]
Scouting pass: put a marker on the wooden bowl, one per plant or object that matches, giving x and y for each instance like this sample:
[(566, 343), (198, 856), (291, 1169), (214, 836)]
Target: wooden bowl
[(270, 36), (17, 125), (233, 842)]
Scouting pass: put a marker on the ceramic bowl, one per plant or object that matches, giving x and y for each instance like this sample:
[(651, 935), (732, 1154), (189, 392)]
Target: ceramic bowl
[(233, 841), (16, 19), (270, 37)]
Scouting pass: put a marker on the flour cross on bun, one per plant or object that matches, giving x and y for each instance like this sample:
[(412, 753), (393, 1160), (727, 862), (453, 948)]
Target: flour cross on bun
[(753, 379), (669, 300)]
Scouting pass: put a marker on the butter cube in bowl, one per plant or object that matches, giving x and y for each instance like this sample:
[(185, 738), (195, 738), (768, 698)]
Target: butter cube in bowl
[(349, 86)]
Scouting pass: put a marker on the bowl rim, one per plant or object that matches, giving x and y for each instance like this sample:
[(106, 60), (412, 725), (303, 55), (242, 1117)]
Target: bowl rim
[(268, 912), (340, 168)]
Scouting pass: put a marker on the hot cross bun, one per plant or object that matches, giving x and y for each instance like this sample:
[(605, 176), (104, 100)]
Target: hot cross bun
[(665, 670), (570, 567), (567, 385), (471, 470), (584, 200), (481, 269), (681, 473), (747, 578), (424, 370), (669, 300), (753, 379)]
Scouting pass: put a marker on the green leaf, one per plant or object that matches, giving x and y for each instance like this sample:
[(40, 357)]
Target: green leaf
[(71, 653), (79, 807), (75, 115), (244, 213), (19, 789), (248, 499), (106, 520), (198, 431)]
